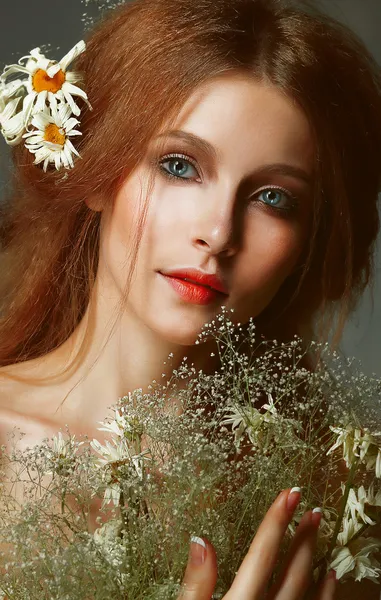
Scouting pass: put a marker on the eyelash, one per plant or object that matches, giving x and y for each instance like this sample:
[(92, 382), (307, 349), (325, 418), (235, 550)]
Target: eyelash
[(286, 210)]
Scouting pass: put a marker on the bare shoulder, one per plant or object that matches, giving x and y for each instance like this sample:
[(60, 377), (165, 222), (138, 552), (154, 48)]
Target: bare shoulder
[(22, 409)]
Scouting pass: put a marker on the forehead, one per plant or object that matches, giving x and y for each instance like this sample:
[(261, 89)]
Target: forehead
[(249, 118)]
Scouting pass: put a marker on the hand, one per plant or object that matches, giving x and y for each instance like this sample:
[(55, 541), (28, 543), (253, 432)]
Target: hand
[(251, 580)]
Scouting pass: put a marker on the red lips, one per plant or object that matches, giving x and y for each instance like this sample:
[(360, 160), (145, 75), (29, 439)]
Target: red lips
[(198, 277)]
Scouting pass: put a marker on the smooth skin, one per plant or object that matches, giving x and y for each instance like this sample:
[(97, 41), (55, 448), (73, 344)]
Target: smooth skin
[(253, 576)]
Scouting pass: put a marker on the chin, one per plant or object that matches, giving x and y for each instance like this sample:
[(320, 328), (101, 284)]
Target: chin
[(178, 328)]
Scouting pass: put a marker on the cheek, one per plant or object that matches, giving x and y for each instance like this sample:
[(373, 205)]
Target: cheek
[(270, 253), (119, 226)]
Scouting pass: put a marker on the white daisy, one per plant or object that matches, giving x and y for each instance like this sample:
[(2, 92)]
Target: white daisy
[(349, 528), (356, 560), (48, 80), (248, 419), (11, 115), (113, 456), (50, 141), (358, 444), (356, 504), (61, 455), (123, 426)]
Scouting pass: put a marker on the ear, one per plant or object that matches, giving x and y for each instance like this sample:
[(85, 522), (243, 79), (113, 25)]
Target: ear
[(94, 203)]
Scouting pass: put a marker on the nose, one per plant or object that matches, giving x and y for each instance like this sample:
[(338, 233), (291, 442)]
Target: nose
[(215, 229)]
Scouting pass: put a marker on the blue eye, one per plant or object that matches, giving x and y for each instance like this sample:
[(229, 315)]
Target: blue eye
[(272, 197), (179, 167)]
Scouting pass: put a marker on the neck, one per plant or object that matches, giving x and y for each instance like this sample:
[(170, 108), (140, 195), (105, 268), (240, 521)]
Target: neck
[(122, 355)]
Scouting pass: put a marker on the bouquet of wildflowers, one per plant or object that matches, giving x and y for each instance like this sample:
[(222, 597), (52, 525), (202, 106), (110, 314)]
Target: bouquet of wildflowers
[(202, 453)]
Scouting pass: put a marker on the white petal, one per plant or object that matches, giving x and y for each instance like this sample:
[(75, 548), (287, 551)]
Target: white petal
[(40, 102), (52, 100), (71, 148), (14, 141), (72, 55), (74, 90), (378, 464), (11, 70), (46, 164), (42, 154), (28, 106), (36, 53), (70, 124), (74, 77), (9, 110), (53, 70), (68, 155), (60, 96), (64, 159), (75, 109), (14, 126), (34, 139), (64, 112), (41, 120), (57, 160), (38, 159), (53, 147), (43, 63)]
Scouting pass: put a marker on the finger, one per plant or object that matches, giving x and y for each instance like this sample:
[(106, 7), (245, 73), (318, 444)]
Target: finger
[(297, 572), (256, 569), (328, 587), (201, 572)]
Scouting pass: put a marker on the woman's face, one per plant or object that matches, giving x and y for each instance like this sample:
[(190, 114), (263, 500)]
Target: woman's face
[(232, 198)]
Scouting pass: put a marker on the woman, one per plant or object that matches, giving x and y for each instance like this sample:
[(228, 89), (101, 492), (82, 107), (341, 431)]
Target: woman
[(231, 157)]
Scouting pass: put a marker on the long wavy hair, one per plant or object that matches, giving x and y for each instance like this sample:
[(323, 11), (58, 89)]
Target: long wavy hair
[(142, 63)]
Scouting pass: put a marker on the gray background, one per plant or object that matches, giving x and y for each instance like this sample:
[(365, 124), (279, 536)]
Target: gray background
[(25, 25)]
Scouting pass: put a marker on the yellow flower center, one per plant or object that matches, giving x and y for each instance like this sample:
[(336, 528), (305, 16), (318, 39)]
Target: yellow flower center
[(42, 82), (54, 134)]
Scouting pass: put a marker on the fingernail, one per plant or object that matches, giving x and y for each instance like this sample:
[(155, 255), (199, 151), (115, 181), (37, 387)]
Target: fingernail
[(293, 498), (316, 516), (197, 550)]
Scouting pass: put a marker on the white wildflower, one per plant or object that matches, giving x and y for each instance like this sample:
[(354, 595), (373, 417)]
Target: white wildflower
[(114, 455), (356, 504), (356, 560), (122, 426), (248, 419), (60, 456), (50, 140), (358, 444), (349, 527)]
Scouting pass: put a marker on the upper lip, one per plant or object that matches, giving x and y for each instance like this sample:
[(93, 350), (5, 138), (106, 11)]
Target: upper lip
[(196, 276)]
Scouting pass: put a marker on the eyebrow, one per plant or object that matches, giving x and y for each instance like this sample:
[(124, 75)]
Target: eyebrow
[(210, 151)]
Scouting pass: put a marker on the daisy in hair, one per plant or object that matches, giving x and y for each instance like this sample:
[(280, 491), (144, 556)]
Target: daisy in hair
[(47, 80), (50, 140)]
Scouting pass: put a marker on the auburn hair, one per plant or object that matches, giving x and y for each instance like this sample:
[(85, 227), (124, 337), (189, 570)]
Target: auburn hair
[(142, 63)]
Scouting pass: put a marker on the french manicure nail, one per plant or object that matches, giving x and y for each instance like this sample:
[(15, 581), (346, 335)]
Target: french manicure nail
[(316, 516), (293, 498), (197, 550)]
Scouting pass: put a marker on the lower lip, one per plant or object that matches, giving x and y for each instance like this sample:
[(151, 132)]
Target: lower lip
[(192, 292)]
